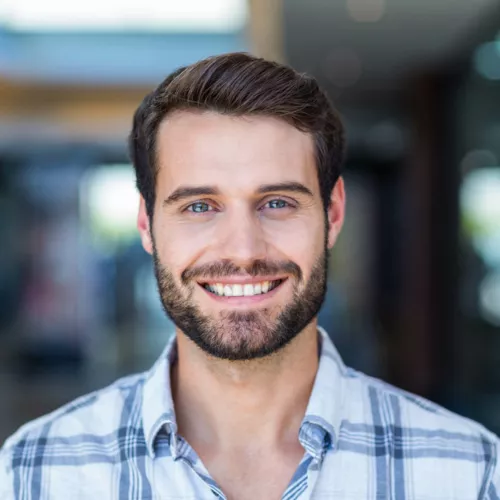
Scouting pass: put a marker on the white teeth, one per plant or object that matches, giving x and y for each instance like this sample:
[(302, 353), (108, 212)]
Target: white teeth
[(239, 290)]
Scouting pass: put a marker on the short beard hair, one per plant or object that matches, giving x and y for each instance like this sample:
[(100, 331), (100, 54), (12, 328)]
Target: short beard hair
[(242, 335)]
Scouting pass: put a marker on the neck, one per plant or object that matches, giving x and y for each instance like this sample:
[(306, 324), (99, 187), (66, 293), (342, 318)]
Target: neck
[(220, 403)]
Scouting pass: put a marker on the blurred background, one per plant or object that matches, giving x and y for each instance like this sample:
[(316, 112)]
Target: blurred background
[(414, 285)]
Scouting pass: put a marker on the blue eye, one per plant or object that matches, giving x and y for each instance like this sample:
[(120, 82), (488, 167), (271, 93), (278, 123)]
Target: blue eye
[(199, 207), (277, 203)]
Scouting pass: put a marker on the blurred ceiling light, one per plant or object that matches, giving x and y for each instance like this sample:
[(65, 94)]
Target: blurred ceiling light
[(487, 60), (343, 67), (116, 15), (489, 298), (366, 11)]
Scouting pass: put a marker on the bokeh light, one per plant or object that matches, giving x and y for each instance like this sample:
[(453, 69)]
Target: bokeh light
[(478, 158), (480, 204), (487, 60), (110, 199)]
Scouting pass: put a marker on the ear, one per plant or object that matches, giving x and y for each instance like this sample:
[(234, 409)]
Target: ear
[(144, 227), (336, 212)]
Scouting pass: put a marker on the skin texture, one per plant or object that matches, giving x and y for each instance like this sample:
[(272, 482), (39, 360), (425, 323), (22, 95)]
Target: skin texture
[(246, 365)]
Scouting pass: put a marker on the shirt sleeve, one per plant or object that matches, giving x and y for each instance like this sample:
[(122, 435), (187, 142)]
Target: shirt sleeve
[(6, 479)]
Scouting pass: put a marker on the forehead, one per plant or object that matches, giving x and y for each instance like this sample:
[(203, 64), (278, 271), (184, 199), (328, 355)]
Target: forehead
[(232, 152)]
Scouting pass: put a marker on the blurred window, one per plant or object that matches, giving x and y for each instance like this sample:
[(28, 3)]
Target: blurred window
[(171, 15)]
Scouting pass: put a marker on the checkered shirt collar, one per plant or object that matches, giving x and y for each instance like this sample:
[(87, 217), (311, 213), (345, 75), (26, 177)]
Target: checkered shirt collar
[(319, 428)]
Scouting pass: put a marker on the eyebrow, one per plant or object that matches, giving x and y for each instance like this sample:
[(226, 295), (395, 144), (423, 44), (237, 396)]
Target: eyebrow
[(184, 192), (291, 187)]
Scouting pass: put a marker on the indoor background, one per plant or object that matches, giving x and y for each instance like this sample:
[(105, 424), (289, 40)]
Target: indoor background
[(414, 285)]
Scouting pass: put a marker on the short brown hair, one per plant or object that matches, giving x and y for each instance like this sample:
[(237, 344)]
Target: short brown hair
[(239, 84)]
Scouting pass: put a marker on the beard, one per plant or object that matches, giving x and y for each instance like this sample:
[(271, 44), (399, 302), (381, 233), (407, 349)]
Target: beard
[(242, 335)]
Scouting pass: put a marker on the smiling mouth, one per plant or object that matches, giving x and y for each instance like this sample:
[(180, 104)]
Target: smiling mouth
[(242, 289)]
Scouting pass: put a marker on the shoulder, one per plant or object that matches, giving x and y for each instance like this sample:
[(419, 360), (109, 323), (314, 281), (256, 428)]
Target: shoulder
[(93, 416), (391, 406), (409, 428)]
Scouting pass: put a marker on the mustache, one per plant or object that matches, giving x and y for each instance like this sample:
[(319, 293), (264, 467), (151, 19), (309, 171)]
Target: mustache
[(222, 269)]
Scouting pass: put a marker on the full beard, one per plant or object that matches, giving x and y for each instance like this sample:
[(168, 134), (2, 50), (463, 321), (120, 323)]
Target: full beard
[(243, 335)]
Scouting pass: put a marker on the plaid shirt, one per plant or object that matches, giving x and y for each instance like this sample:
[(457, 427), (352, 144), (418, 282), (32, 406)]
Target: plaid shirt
[(362, 439)]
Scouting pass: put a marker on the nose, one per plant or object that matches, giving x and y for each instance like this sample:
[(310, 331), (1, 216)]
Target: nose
[(241, 239)]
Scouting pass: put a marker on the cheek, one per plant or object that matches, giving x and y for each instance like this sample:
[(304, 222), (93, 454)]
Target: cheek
[(179, 245), (300, 240)]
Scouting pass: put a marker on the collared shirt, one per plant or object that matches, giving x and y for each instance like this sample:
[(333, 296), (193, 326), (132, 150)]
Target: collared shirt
[(362, 439)]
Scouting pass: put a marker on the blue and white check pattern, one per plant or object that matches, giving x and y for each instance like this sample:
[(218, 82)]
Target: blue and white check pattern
[(362, 439)]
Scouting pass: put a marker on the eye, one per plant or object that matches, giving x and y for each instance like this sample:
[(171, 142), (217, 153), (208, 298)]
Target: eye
[(277, 203), (199, 207)]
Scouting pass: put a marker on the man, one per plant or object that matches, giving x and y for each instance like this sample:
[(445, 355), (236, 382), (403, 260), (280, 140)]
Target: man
[(238, 165)]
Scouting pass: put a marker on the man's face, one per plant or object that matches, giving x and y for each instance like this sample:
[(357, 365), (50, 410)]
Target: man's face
[(238, 237)]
